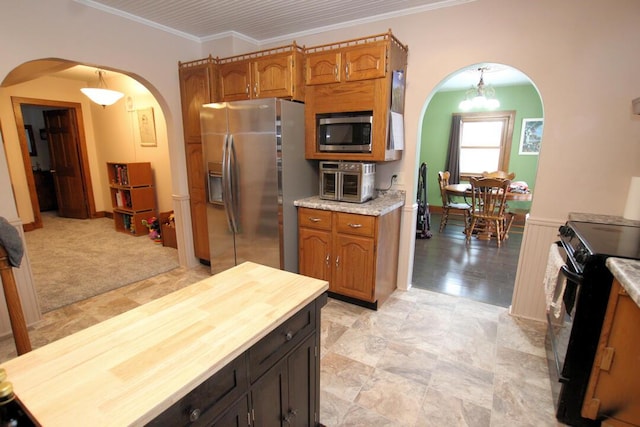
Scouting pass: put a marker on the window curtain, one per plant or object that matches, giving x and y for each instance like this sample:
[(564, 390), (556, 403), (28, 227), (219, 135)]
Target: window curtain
[(453, 154)]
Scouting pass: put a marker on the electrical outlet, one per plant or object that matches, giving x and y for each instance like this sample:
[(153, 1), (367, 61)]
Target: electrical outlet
[(394, 179), (398, 180)]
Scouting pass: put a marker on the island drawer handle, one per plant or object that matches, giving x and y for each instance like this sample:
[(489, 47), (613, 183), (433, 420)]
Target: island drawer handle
[(194, 415), (314, 219), (355, 225), (288, 336)]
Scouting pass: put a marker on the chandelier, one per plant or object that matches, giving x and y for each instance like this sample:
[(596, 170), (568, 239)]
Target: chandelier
[(481, 96), (101, 95)]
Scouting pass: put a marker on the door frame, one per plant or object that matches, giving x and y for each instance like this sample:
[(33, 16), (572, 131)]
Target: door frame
[(81, 145)]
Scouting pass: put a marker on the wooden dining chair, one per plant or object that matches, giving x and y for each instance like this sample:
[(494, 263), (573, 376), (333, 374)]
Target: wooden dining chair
[(451, 208), (499, 174), (488, 201)]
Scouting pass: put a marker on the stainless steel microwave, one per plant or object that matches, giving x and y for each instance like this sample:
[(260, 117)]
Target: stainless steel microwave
[(345, 132), (347, 181)]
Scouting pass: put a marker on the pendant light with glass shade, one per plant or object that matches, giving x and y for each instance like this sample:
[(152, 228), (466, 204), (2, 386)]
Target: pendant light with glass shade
[(101, 95), (481, 96)]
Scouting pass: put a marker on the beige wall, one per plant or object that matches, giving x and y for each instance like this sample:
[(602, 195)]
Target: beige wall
[(581, 55)]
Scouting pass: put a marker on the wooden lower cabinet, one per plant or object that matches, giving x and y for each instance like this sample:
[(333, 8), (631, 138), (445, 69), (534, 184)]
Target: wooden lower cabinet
[(274, 383), (357, 254), (613, 393)]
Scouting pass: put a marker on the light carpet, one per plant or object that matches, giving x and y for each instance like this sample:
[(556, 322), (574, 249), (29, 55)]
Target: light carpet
[(75, 259)]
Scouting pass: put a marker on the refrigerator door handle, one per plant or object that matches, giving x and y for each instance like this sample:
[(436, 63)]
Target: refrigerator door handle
[(231, 187), (225, 181)]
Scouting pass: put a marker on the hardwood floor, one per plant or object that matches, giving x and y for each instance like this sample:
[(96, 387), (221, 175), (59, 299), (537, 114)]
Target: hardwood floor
[(481, 271)]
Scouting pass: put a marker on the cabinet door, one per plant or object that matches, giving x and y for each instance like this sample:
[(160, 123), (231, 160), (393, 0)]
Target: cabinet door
[(235, 81), (272, 77), (365, 62), (198, 201), (614, 390), (315, 253), (323, 67), (269, 397), (195, 90), (236, 416), (354, 266), (301, 372)]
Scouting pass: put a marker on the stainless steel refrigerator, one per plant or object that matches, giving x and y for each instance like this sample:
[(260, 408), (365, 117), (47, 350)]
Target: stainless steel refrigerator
[(255, 166)]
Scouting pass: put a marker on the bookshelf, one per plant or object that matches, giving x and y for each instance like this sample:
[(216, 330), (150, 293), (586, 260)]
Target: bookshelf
[(133, 196)]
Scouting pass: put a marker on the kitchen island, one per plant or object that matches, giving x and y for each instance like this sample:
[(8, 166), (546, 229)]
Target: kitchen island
[(161, 360)]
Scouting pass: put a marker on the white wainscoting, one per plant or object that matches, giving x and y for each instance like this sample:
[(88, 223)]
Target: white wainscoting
[(528, 295)]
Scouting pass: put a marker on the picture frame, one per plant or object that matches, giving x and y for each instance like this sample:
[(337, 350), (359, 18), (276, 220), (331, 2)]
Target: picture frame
[(31, 142), (147, 127), (531, 136)]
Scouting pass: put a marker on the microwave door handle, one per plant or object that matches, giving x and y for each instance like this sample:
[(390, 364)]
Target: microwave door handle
[(232, 184)]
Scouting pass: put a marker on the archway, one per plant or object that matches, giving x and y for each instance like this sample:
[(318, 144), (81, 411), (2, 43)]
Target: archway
[(516, 92)]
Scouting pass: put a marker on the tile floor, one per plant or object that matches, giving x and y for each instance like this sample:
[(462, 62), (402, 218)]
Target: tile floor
[(422, 359)]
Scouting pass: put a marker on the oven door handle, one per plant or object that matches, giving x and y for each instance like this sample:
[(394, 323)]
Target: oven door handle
[(574, 277)]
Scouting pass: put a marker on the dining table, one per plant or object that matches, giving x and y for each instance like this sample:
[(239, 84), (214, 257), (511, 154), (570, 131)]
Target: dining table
[(464, 190)]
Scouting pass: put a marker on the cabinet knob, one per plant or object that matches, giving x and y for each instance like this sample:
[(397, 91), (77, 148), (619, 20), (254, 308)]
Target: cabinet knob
[(287, 418), (346, 71), (194, 415), (337, 261), (288, 336), (255, 88), (326, 260), (335, 71), (246, 90), (355, 225)]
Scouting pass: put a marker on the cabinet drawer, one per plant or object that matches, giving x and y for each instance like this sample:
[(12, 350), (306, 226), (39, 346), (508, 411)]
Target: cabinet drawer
[(361, 225), (210, 398), (264, 354), (314, 218)]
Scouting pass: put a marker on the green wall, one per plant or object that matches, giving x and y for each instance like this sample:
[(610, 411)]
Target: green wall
[(523, 99)]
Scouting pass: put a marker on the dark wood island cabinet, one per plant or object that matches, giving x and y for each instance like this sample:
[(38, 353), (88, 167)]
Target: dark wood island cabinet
[(239, 348)]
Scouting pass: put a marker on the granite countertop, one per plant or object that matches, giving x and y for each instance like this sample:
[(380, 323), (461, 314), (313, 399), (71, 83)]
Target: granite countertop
[(381, 205), (602, 219), (627, 271), (128, 369)]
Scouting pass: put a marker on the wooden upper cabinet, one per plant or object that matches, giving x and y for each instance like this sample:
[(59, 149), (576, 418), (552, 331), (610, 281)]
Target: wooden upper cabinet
[(235, 80), (267, 74), (365, 62), (360, 62), (323, 67), (272, 77), (197, 87), (352, 76)]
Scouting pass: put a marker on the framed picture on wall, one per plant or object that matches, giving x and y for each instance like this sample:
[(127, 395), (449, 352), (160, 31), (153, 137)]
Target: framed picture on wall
[(531, 136), (146, 124)]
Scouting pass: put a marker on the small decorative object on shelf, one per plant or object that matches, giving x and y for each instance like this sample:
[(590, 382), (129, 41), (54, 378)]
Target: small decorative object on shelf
[(133, 196)]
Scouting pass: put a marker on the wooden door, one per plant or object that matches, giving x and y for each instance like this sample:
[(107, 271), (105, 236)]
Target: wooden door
[(365, 62), (315, 253), (354, 266), (323, 67), (65, 163), (235, 81), (272, 77)]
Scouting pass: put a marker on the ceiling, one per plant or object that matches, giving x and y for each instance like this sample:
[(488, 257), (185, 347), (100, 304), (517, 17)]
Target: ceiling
[(262, 21)]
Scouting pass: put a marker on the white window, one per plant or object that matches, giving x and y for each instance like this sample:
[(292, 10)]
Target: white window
[(485, 142)]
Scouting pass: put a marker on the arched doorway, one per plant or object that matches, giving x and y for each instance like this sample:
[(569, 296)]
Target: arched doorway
[(459, 269)]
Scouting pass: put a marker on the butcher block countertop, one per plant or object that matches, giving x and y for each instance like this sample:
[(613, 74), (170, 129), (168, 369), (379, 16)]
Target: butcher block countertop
[(130, 368)]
